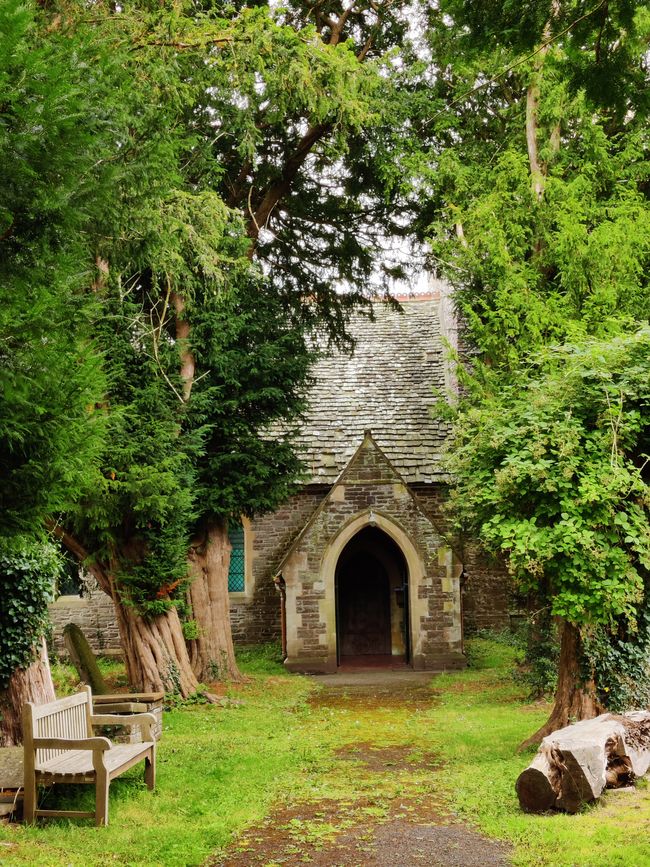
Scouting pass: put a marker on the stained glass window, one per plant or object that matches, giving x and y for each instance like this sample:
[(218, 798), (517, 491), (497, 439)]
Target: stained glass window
[(237, 572)]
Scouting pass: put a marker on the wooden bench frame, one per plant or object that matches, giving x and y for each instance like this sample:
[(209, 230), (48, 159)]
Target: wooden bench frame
[(60, 747)]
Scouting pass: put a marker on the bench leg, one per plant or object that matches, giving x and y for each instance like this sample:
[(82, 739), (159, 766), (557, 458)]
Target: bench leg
[(150, 769), (30, 793), (102, 782)]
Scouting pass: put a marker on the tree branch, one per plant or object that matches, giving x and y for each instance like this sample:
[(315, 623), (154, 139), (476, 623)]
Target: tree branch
[(182, 46), (188, 362), (74, 546), (276, 191)]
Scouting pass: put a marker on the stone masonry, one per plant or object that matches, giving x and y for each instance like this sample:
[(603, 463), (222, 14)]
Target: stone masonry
[(255, 614), (94, 615), (371, 493)]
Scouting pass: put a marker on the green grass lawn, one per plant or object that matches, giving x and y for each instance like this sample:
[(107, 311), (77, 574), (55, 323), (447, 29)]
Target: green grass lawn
[(220, 770)]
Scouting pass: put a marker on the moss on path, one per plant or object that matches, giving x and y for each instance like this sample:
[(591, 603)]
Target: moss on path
[(376, 802)]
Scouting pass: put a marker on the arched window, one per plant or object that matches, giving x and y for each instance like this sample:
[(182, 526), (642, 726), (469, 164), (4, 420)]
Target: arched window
[(237, 571)]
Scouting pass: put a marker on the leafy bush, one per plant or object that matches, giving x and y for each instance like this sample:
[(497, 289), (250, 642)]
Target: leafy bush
[(540, 658), (29, 571)]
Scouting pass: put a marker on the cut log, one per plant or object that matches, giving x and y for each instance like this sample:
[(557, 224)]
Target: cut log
[(574, 764)]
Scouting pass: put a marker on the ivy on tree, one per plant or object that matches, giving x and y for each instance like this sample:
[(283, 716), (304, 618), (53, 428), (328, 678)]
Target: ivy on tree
[(552, 473), (29, 572)]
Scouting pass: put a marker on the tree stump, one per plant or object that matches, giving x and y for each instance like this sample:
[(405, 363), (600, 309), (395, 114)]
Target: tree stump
[(574, 764)]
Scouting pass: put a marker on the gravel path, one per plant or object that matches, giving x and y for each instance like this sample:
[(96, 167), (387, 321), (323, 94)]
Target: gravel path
[(412, 825)]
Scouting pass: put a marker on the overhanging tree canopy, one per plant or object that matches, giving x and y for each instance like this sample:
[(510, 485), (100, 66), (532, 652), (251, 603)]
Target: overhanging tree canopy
[(221, 123)]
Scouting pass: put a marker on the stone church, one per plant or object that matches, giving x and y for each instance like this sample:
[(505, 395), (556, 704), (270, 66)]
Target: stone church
[(358, 567)]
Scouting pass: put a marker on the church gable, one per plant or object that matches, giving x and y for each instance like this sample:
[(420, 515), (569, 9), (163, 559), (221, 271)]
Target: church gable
[(368, 468), (369, 465)]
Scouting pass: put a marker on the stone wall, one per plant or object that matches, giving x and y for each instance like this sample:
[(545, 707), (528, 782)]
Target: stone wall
[(255, 614), (486, 588), (93, 613), (487, 595)]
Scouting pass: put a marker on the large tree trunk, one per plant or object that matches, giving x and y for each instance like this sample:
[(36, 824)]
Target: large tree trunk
[(574, 699), (212, 652), (154, 648), (29, 684), (155, 652)]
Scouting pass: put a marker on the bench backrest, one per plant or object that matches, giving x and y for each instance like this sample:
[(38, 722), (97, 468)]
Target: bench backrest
[(65, 718)]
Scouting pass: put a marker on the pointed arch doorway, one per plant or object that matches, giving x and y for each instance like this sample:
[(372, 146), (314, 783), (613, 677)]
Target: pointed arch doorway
[(372, 602)]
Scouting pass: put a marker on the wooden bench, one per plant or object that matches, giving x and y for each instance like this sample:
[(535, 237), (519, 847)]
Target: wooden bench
[(60, 747)]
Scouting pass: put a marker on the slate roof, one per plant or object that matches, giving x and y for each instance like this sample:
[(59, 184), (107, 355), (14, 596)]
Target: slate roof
[(387, 387)]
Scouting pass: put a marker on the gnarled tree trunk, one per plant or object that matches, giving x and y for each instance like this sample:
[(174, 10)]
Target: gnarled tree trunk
[(28, 684), (574, 699), (155, 652), (154, 648), (212, 652)]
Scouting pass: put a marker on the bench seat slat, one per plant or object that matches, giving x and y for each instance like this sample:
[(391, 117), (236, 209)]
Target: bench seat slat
[(80, 762)]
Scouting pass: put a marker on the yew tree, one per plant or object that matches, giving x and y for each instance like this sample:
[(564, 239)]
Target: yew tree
[(50, 379), (236, 133)]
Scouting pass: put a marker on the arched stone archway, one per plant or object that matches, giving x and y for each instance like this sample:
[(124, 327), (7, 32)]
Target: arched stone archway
[(370, 518)]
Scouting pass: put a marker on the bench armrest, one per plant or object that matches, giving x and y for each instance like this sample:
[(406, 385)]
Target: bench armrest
[(100, 744), (144, 721)]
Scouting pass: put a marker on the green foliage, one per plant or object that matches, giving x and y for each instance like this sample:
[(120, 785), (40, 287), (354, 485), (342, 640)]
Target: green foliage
[(177, 248), (537, 212), (256, 364), (29, 571), (531, 269), (50, 139), (190, 630), (550, 473), (138, 513), (540, 655), (622, 660)]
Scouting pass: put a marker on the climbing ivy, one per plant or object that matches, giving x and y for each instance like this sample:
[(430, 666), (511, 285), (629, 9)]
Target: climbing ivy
[(28, 574)]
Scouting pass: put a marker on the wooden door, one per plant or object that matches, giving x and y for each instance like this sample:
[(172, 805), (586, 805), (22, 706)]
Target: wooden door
[(363, 607)]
